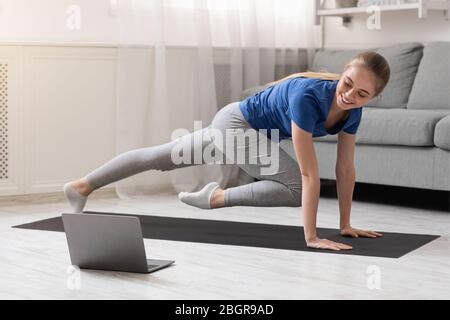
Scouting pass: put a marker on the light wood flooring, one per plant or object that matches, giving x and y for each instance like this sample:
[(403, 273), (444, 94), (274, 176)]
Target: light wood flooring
[(34, 264)]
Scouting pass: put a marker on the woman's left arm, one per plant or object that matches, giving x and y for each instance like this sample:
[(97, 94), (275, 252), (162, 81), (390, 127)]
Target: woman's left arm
[(345, 183)]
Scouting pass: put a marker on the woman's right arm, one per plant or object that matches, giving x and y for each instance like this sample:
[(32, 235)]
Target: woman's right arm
[(306, 158)]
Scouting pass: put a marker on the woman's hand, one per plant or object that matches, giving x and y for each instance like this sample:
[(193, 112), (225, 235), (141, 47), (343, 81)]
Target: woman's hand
[(326, 244), (355, 233)]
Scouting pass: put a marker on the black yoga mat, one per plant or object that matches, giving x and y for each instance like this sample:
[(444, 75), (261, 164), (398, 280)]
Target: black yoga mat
[(274, 236)]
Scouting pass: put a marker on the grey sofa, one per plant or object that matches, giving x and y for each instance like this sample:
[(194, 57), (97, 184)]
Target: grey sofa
[(404, 135)]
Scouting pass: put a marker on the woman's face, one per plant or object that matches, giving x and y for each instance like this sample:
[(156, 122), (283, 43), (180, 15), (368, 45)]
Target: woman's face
[(355, 88)]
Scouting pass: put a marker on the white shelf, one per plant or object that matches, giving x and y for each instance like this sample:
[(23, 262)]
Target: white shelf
[(422, 6)]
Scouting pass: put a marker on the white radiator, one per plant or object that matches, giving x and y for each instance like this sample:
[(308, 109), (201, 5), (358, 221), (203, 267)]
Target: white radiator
[(3, 121)]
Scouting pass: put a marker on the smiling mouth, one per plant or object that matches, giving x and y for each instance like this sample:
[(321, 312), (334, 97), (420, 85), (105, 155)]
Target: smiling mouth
[(345, 100)]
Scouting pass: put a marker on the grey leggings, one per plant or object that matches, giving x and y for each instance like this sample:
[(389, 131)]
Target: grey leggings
[(279, 188)]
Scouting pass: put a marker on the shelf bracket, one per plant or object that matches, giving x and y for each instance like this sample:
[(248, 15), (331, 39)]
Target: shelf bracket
[(422, 11), (317, 6)]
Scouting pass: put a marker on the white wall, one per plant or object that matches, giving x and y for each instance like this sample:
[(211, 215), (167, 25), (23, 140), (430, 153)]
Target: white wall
[(50, 21), (396, 27), (91, 22)]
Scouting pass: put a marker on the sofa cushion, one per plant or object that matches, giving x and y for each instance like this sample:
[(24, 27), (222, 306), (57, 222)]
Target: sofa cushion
[(396, 127), (251, 91), (329, 60), (403, 61), (442, 133), (431, 86)]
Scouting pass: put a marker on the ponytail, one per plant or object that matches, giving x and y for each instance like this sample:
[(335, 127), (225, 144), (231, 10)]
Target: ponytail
[(309, 74)]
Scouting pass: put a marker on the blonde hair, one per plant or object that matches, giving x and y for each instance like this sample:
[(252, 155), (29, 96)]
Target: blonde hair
[(370, 60), (310, 74)]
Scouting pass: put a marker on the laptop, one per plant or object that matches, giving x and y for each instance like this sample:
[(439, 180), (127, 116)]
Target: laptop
[(108, 242)]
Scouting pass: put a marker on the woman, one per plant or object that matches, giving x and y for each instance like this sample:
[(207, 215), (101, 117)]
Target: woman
[(301, 106)]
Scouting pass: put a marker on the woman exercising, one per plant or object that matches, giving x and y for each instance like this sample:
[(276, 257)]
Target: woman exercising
[(301, 106)]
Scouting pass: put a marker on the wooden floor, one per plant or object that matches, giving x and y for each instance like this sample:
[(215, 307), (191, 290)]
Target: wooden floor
[(36, 265)]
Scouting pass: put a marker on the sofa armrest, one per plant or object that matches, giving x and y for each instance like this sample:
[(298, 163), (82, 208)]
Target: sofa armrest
[(442, 133)]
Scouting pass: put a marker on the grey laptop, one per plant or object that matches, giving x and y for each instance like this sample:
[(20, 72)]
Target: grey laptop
[(108, 242)]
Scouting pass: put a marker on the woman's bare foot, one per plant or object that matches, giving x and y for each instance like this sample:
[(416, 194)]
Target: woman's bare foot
[(218, 198)]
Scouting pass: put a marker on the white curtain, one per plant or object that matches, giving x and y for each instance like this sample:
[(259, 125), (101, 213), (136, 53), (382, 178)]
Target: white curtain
[(180, 61)]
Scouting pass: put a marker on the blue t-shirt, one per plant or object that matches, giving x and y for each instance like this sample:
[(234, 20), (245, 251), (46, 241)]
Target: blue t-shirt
[(306, 101)]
